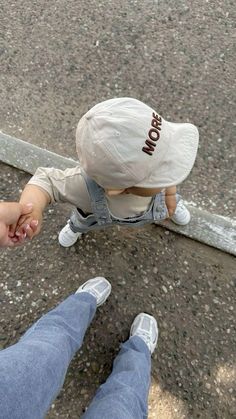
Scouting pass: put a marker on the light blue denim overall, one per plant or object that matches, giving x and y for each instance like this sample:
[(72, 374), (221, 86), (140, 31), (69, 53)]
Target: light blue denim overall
[(101, 216)]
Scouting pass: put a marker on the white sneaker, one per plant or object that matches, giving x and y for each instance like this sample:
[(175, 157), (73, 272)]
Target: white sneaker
[(67, 237), (182, 215), (145, 326), (99, 287)]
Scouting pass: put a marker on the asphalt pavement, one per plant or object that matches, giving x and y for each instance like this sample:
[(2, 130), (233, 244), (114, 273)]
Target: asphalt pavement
[(187, 286), (59, 58)]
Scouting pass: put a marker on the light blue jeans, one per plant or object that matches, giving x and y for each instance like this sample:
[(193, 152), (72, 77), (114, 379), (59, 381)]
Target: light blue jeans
[(32, 371)]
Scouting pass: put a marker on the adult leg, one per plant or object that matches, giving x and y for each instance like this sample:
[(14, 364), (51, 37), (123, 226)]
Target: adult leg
[(33, 371), (125, 393)]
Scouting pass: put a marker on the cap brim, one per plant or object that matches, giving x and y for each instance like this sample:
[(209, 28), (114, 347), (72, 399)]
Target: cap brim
[(180, 153)]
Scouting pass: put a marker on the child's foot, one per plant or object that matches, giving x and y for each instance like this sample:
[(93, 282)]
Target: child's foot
[(67, 237), (99, 287), (182, 215), (145, 326)]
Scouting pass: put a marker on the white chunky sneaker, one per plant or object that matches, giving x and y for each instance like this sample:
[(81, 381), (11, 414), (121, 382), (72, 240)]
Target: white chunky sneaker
[(145, 326), (99, 287), (67, 237), (182, 215)]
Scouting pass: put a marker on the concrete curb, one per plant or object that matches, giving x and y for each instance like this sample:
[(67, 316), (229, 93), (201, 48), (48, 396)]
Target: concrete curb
[(210, 229)]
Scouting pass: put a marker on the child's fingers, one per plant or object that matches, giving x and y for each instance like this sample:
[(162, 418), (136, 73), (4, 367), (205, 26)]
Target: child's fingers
[(21, 230), (15, 241), (31, 229), (22, 220), (34, 225), (12, 230), (26, 229), (21, 238), (15, 229), (21, 225)]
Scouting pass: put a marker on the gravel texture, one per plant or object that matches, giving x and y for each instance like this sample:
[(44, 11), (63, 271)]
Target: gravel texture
[(187, 286), (59, 58)]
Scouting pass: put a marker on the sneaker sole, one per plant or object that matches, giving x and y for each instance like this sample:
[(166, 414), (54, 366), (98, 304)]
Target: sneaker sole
[(183, 223)]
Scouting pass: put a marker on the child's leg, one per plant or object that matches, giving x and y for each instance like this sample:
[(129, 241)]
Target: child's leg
[(72, 230)]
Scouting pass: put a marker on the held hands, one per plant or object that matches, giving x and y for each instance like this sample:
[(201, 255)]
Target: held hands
[(28, 225), (10, 213)]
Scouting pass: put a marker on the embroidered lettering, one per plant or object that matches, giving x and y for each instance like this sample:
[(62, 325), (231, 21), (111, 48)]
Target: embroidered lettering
[(147, 150), (153, 135), (157, 117), (150, 143)]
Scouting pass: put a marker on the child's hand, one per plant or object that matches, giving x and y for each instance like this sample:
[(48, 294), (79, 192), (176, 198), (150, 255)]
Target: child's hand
[(28, 225), (10, 212)]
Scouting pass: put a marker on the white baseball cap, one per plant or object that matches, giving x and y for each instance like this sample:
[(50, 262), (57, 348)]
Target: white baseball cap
[(122, 143)]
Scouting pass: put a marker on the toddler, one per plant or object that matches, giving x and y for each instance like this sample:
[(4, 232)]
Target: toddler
[(130, 162)]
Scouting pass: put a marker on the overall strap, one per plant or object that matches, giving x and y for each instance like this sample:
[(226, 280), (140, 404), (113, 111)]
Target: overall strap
[(98, 201)]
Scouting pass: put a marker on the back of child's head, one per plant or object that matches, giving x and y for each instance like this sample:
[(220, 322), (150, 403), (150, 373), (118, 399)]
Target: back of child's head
[(122, 143)]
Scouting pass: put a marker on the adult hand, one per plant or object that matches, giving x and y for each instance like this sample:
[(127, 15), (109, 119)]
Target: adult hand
[(10, 212)]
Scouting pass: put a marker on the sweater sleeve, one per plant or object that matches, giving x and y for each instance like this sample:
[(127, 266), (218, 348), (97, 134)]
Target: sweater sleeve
[(63, 186)]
